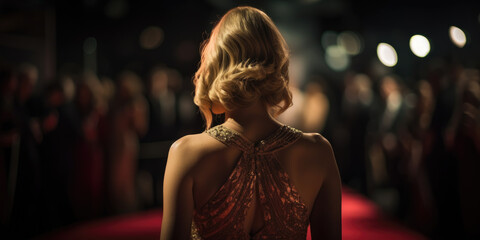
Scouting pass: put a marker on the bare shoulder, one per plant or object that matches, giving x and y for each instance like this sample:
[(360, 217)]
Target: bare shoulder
[(315, 151), (190, 149), (188, 143), (315, 144), (316, 140)]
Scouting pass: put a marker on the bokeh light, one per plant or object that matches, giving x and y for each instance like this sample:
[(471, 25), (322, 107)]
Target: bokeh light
[(351, 42), (387, 54), (419, 45), (458, 36), (151, 37), (337, 58)]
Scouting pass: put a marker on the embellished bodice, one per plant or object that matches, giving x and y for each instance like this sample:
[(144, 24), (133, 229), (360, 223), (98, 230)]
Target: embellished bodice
[(257, 176)]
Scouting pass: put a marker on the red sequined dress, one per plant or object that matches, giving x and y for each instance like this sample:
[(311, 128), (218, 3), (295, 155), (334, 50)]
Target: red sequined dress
[(285, 215)]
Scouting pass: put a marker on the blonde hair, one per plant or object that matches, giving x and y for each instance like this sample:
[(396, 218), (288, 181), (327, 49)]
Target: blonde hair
[(244, 60)]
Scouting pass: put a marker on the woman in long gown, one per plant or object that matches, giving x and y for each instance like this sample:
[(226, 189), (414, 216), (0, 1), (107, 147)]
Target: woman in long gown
[(250, 177), (128, 121)]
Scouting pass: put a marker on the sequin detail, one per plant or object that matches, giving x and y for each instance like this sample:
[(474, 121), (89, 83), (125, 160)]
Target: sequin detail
[(285, 215)]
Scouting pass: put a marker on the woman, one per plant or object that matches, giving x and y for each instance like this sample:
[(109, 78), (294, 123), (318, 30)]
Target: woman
[(250, 177)]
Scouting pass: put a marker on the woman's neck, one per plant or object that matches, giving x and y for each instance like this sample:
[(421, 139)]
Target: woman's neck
[(253, 122)]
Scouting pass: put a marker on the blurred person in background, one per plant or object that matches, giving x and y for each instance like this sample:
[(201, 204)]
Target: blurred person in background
[(186, 117), (417, 142), (356, 108), (88, 189), (127, 122), (385, 151), (315, 108), (60, 127), (9, 135), (107, 94), (104, 107), (463, 138), (28, 172), (163, 106), (441, 165)]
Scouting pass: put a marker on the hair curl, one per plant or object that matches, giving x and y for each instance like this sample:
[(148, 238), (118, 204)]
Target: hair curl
[(245, 59)]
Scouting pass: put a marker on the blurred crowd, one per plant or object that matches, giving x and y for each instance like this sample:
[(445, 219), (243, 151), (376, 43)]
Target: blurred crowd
[(81, 147), (70, 150), (411, 146)]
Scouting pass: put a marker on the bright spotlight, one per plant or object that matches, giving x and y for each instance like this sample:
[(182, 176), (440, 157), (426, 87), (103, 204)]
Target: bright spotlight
[(387, 54), (458, 36), (419, 45)]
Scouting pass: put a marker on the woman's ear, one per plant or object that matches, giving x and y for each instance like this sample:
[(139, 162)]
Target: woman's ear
[(217, 108)]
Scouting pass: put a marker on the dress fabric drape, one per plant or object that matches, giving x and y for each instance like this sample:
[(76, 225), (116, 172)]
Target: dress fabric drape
[(257, 176)]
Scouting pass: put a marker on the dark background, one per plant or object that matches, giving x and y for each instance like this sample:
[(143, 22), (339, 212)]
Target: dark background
[(55, 36), (59, 28)]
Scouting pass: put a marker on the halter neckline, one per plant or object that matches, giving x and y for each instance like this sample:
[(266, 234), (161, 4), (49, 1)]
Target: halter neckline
[(279, 138)]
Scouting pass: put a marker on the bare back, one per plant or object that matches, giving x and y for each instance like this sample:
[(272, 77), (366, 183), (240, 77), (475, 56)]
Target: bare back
[(271, 188)]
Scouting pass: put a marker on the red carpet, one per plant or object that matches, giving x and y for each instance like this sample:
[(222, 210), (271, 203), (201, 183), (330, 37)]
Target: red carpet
[(361, 219)]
